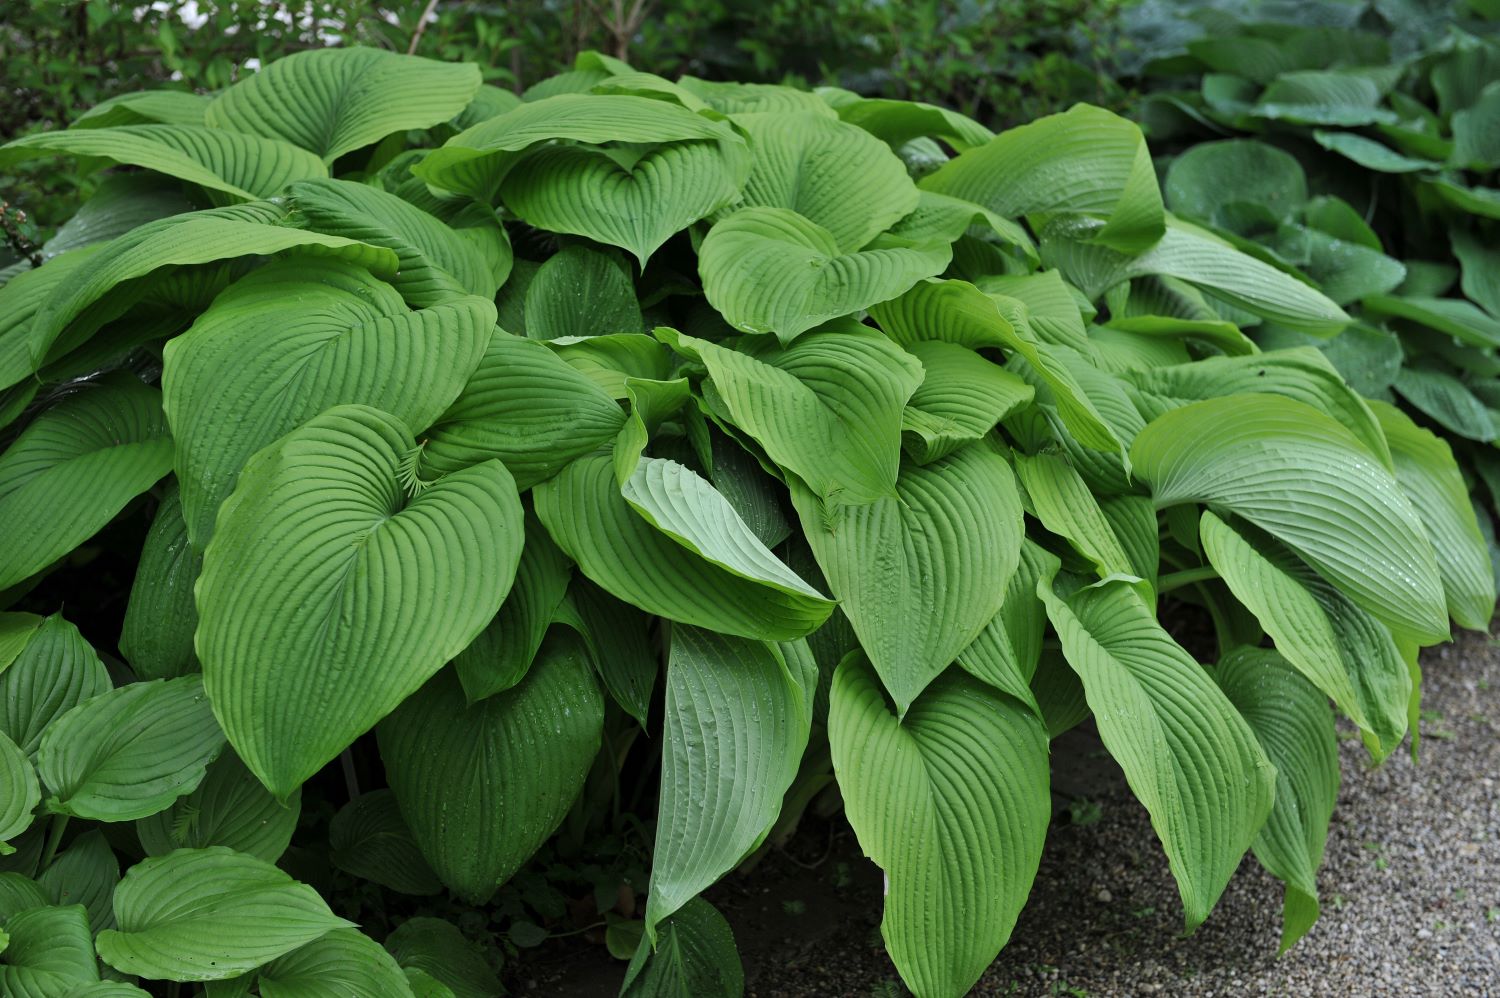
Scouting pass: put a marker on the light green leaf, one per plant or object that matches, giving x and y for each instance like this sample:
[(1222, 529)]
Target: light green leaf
[(1431, 479), (737, 718), (157, 635), (1339, 647), (695, 957), (769, 270), (525, 406), (370, 840), (244, 167), (1065, 505), (483, 786), (171, 107), (335, 100), (809, 163), (1454, 316), (19, 792), (1007, 651), (229, 808), (961, 398), (897, 122), (50, 953), (387, 587), (703, 567), (85, 873), (1292, 721), (55, 672), (1187, 754), (287, 342), (130, 752), (1307, 480), (75, 467), (436, 947), (342, 963), (952, 803), (1086, 164), (920, 573), (209, 914)]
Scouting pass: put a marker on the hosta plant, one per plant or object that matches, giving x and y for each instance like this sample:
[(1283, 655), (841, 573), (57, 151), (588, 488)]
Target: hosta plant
[(525, 502)]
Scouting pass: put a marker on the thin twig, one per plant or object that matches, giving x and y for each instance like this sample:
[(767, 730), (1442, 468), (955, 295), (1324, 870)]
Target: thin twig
[(416, 36)]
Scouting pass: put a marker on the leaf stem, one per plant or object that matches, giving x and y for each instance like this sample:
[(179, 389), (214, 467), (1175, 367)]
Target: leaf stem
[(351, 779), (54, 839), (1186, 577)]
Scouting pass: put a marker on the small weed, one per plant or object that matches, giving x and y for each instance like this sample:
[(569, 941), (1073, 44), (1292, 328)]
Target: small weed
[(794, 907), (887, 988), (1492, 915), (1084, 812)]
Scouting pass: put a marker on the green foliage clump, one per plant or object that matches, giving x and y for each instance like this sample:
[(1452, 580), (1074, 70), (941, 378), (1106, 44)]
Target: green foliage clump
[(559, 494)]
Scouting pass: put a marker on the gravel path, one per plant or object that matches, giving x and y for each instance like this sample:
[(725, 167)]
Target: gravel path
[(1410, 886)]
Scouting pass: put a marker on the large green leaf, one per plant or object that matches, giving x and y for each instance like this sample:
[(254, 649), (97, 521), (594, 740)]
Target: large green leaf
[(769, 270), (525, 406), (245, 167), (1304, 478), (1085, 164), (1214, 176), (229, 808), (1448, 402), (1454, 316), (19, 792), (961, 398), (1006, 653), (85, 873), (209, 914), (952, 803), (370, 840), (441, 950), (1292, 721), (130, 752), (694, 957), (157, 635), (579, 292), (1431, 479), (342, 963), (332, 101), (49, 953), (287, 342), (920, 573), (483, 786), (55, 671), (809, 163), (737, 718), (1186, 752), (1063, 503), (329, 594), (702, 567), (1340, 648), (74, 468)]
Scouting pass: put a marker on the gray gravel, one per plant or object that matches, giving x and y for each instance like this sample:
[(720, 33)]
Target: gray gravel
[(1410, 885)]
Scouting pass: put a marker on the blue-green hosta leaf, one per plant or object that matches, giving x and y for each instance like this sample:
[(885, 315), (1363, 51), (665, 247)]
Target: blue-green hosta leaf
[(386, 588), (333, 101), (958, 312), (581, 292), (700, 566), (476, 161), (809, 163), (1186, 752), (694, 957), (1344, 271), (107, 279), (287, 342), (1211, 176), (952, 803), (157, 635), (921, 572), (769, 270), (1292, 721), (436, 947), (737, 718), (229, 808), (370, 840), (436, 262), (85, 873), (53, 672), (1324, 97), (75, 467), (209, 914), (635, 199), (1370, 154), (1454, 316), (961, 398), (498, 658), (828, 408), (244, 167), (1433, 482), (526, 406), (1481, 269), (130, 752), (1065, 506), (1448, 402), (1304, 478), (1299, 373), (19, 792), (1339, 647), (342, 963), (1085, 164), (483, 786), (50, 953)]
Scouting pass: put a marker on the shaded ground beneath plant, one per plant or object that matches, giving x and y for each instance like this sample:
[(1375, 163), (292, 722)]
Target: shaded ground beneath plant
[(1410, 887)]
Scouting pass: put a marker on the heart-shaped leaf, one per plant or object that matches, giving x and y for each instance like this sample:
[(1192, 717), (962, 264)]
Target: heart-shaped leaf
[(55, 671), (229, 808)]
